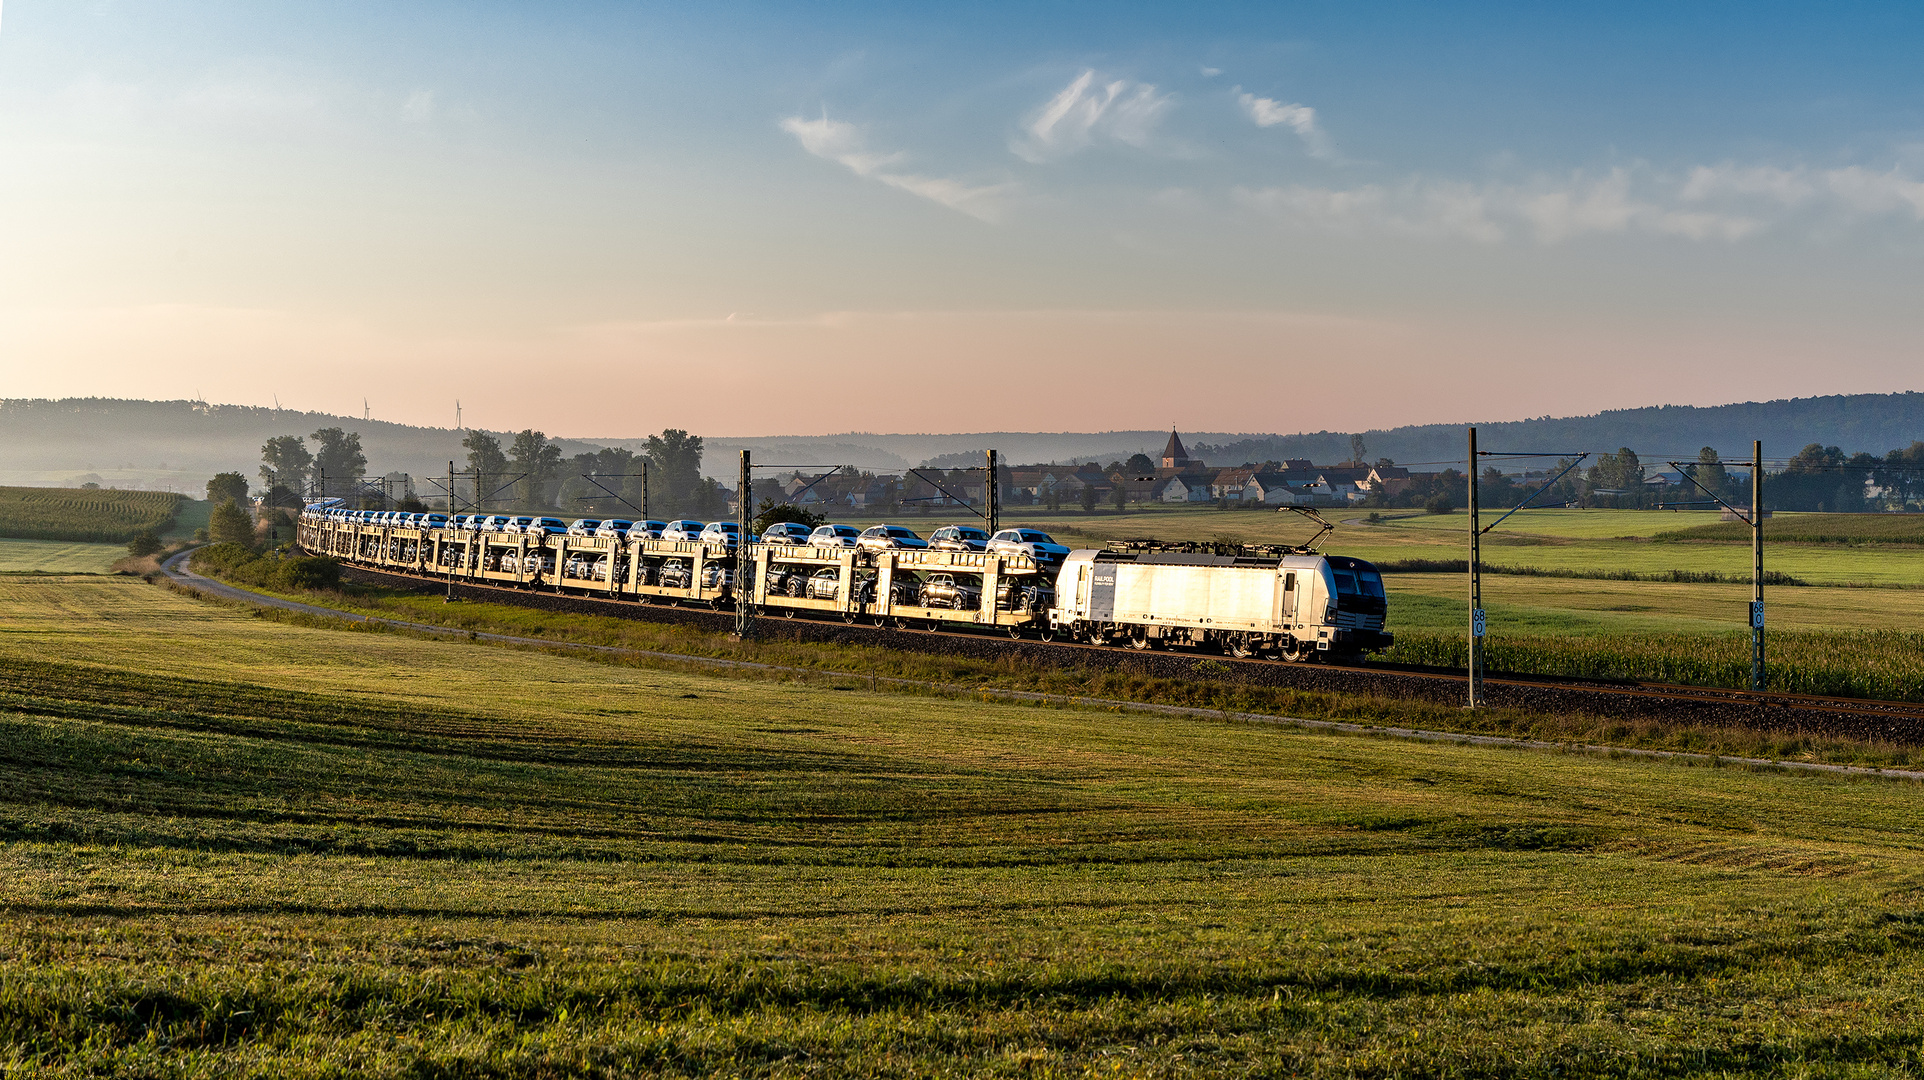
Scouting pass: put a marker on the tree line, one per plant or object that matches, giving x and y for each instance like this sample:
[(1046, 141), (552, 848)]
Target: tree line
[(531, 475), (1817, 478)]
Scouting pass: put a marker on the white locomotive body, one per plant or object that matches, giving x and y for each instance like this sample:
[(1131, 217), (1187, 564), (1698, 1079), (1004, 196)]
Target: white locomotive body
[(1292, 606)]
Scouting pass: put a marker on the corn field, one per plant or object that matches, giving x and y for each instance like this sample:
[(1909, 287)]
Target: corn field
[(1886, 664), (84, 515)]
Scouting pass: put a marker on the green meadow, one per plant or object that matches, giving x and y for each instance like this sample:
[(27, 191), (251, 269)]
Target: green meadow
[(237, 845), (58, 557)]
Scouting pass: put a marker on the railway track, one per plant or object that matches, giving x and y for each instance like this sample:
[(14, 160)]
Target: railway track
[(1856, 718)]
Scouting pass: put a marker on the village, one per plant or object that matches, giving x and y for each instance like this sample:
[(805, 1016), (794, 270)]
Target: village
[(1174, 478)]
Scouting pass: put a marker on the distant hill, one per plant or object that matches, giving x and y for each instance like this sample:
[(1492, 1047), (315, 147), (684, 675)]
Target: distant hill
[(177, 445), (1875, 423)]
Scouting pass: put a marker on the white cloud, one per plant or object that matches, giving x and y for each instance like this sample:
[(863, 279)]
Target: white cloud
[(843, 143), (1211, 72), (1083, 111), (1548, 211), (1268, 112), (1876, 192)]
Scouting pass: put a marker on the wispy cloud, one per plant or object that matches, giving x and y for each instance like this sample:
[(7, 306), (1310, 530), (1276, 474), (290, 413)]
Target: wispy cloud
[(1547, 210), (1852, 190), (843, 143), (1085, 111), (1268, 112)]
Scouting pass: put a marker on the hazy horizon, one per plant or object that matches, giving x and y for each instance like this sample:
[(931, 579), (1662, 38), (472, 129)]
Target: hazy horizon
[(1256, 218)]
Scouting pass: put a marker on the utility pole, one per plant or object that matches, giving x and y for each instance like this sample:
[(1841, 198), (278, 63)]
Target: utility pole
[(745, 506), (644, 488), (992, 497), (1476, 590), (1757, 566), (449, 530)]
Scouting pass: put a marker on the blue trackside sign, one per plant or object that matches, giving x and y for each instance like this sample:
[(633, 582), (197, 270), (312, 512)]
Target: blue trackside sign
[(1756, 614), (1477, 623)]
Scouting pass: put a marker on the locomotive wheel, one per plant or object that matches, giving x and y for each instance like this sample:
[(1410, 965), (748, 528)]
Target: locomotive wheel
[(1238, 648), (1139, 641)]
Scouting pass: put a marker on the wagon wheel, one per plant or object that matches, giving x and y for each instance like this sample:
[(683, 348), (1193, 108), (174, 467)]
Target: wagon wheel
[(848, 617), (1014, 632), (1047, 633)]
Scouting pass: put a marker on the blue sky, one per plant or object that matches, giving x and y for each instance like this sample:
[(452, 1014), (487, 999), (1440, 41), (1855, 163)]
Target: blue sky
[(1115, 215)]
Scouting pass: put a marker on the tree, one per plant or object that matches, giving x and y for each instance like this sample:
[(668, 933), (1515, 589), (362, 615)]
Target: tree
[(1089, 497), (486, 463), (773, 513), (230, 524), (539, 462), (1357, 449), (285, 464), (1119, 498), (1494, 489), (676, 457), (1621, 472), (1710, 475), (1900, 475), (227, 485), (145, 542), (1054, 496), (1820, 478), (1139, 466), (338, 454)]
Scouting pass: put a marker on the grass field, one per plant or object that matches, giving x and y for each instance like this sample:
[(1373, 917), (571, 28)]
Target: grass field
[(235, 845), (59, 557), (84, 515), (1814, 529), (1552, 539)]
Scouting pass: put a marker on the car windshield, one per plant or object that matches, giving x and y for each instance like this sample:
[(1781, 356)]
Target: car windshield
[(898, 531), (1037, 538), (971, 534)]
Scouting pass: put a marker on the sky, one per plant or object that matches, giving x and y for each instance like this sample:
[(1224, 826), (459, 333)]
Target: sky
[(602, 219)]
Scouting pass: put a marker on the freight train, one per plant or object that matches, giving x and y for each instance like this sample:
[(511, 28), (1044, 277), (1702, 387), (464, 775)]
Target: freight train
[(1280, 603)]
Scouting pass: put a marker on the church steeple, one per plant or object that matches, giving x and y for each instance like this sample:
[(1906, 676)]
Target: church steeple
[(1173, 455)]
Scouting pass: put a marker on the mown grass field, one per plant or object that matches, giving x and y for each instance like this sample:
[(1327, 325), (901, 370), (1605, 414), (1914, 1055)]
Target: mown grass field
[(1551, 539), (1813, 529), (59, 557), (1831, 637), (234, 845), (1858, 642), (84, 515)]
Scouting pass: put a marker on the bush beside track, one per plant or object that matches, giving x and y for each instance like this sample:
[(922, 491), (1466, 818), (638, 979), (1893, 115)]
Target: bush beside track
[(1868, 723), (243, 565)]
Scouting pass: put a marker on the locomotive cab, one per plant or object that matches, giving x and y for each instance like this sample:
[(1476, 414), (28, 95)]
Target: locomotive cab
[(1357, 609)]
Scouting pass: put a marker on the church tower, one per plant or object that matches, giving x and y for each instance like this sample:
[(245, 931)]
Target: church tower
[(1174, 457)]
